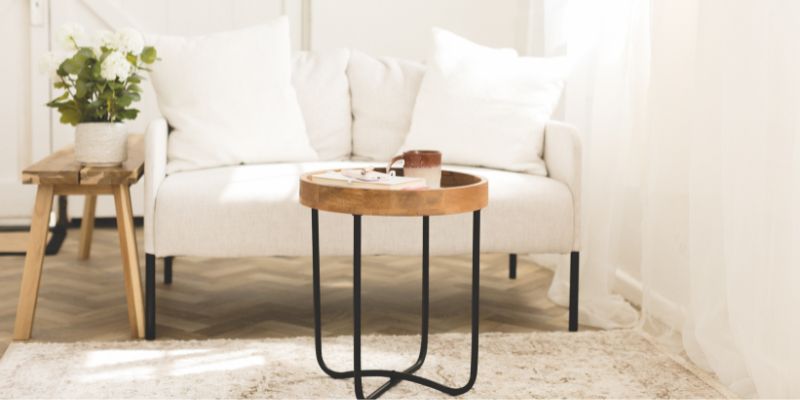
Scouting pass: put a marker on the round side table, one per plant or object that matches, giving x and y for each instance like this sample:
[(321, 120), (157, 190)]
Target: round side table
[(459, 193)]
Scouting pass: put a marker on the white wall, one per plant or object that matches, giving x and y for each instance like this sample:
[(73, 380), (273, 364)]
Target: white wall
[(402, 28)]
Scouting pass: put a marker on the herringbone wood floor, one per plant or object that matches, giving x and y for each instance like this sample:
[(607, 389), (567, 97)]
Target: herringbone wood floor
[(271, 297)]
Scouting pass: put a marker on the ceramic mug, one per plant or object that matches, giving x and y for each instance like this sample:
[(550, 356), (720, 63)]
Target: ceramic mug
[(425, 164)]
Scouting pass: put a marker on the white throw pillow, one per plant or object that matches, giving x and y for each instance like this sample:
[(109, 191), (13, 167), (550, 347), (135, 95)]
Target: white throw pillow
[(383, 91), (320, 79), (485, 107), (229, 98)]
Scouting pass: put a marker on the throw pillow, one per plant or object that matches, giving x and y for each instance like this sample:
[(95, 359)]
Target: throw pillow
[(383, 91), (320, 80), (229, 98), (485, 107)]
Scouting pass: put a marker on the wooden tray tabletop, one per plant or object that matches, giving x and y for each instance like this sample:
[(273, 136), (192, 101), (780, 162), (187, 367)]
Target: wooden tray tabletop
[(60, 168), (460, 193)]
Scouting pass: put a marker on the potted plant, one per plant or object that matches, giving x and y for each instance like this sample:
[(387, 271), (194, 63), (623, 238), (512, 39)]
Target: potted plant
[(99, 81)]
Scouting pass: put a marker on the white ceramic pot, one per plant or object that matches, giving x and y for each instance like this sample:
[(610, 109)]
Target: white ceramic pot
[(101, 143)]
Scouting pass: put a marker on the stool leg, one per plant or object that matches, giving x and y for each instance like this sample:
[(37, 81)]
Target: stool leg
[(512, 266), (87, 227), (34, 257), (130, 259)]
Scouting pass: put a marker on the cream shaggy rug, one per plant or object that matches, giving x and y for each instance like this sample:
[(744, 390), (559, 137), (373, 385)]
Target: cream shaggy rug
[(617, 364)]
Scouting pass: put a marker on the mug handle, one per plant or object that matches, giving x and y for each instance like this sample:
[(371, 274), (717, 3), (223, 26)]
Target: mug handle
[(391, 162)]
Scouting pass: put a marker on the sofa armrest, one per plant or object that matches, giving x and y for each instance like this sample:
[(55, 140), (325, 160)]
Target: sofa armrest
[(562, 155), (155, 170)]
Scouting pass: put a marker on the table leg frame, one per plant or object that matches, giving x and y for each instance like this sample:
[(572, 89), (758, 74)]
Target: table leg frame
[(395, 377), (34, 258)]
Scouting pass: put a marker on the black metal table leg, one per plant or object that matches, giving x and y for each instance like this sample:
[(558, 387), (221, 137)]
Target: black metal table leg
[(394, 376)]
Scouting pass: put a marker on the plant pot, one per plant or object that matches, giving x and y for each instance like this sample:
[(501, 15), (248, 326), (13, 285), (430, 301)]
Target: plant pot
[(101, 143)]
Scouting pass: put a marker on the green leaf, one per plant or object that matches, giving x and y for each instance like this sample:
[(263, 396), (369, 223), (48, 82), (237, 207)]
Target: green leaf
[(71, 66), (60, 85), (70, 116), (149, 55), (134, 88), (62, 97), (135, 78), (130, 113), (124, 101), (84, 53), (93, 106), (131, 58), (81, 87), (105, 94), (59, 101), (96, 71)]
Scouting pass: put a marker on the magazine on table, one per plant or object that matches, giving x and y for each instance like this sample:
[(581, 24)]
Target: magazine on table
[(369, 179)]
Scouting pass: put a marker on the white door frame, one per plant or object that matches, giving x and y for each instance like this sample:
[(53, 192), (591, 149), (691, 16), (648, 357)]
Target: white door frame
[(34, 142)]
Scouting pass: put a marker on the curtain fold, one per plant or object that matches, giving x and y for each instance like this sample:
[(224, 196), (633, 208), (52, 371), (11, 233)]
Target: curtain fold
[(691, 112), (601, 99)]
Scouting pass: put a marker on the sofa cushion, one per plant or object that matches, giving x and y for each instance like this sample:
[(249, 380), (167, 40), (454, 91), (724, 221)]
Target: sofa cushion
[(253, 210), (229, 98), (485, 107), (323, 92), (383, 91)]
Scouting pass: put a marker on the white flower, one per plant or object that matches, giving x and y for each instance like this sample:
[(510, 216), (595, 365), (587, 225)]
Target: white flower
[(48, 64), (70, 36), (129, 40), (115, 66), (100, 39)]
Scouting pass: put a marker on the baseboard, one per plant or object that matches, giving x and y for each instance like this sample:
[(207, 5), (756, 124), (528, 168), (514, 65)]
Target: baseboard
[(628, 287), (658, 306)]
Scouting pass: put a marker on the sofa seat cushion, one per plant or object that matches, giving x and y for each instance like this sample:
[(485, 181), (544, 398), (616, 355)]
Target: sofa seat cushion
[(253, 210)]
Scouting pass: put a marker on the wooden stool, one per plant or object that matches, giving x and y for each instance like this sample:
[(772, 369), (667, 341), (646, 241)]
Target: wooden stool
[(60, 174)]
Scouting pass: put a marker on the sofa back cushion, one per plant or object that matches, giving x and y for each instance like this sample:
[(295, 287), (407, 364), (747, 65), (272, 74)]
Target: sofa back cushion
[(229, 98), (485, 107), (320, 79), (383, 91)]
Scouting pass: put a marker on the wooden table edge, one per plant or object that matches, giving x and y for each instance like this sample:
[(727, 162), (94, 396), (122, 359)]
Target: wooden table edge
[(397, 203)]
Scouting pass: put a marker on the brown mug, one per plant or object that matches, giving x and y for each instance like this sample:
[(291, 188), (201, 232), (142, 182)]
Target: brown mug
[(425, 164)]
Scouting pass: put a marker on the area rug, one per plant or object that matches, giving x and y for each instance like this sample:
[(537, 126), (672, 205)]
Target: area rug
[(608, 364)]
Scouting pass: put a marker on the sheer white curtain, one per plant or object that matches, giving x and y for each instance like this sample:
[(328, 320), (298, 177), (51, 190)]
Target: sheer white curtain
[(602, 99), (692, 115), (725, 145)]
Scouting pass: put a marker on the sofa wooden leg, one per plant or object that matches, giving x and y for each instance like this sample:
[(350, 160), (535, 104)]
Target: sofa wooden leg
[(574, 278), (512, 266), (168, 269), (150, 297)]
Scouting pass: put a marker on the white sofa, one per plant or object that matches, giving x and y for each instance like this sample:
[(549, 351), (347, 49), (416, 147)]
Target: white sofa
[(357, 110)]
